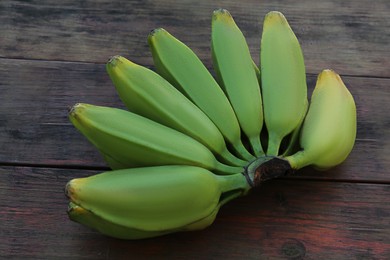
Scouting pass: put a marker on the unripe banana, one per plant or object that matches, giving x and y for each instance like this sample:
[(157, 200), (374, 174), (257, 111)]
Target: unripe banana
[(283, 79), (182, 68), (146, 93), (151, 201), (130, 140), (234, 66), (329, 130)]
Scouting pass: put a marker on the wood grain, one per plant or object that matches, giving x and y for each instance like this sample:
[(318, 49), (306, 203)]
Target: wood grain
[(283, 219), (52, 56), (348, 36)]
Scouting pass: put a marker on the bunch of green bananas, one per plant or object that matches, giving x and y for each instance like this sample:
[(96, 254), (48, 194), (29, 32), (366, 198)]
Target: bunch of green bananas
[(190, 143)]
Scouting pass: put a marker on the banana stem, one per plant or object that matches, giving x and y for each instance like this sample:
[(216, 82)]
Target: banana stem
[(299, 160), (242, 151), (224, 169), (229, 158), (234, 182), (256, 146), (267, 168), (273, 144)]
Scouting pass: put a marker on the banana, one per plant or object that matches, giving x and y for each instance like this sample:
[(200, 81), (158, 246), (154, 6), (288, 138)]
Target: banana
[(130, 140), (151, 201), (146, 93), (234, 67), (182, 68), (283, 80), (329, 129), (164, 153)]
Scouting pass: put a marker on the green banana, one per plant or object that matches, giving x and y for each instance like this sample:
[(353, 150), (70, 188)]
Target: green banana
[(146, 93), (165, 152), (130, 140), (234, 66), (151, 201), (329, 129), (182, 68), (283, 79)]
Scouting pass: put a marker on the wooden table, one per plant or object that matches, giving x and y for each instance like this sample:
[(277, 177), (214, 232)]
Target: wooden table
[(53, 55)]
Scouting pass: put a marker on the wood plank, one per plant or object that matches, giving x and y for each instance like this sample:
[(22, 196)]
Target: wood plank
[(35, 130), (284, 219), (349, 36)]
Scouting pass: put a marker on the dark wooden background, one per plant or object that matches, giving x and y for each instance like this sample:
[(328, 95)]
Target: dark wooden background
[(53, 54)]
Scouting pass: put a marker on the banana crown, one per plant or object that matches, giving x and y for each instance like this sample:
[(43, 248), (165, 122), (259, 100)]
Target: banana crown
[(190, 143)]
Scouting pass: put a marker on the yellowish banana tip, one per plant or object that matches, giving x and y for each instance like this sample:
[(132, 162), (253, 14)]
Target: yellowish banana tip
[(116, 62), (73, 188), (74, 208), (75, 211), (221, 14), (329, 74), (273, 18), (70, 189)]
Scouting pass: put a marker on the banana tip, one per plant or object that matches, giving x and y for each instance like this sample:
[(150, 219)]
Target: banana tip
[(73, 109), (327, 73), (274, 14), (74, 210), (221, 11), (113, 60), (156, 31), (68, 189), (274, 17)]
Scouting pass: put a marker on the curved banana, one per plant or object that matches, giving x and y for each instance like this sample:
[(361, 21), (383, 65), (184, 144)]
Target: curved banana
[(329, 129), (283, 79), (151, 201), (146, 93), (182, 68), (130, 140), (234, 66)]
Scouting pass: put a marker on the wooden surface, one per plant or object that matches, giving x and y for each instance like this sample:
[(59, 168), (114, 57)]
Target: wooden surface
[(53, 55)]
